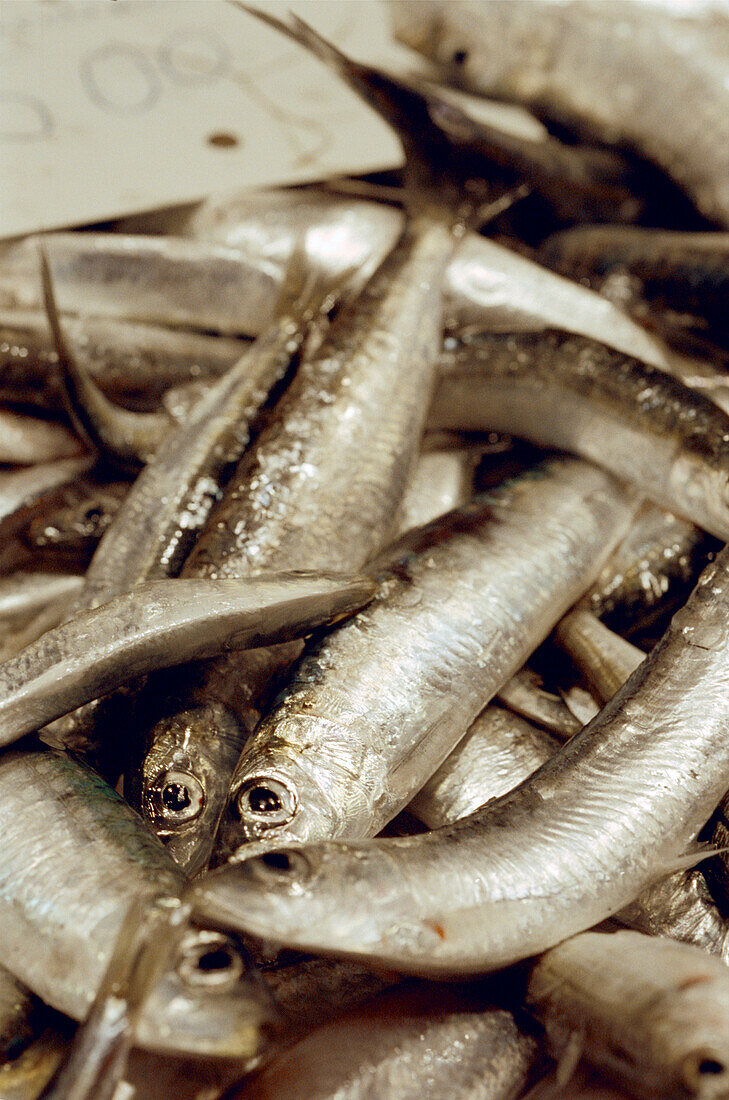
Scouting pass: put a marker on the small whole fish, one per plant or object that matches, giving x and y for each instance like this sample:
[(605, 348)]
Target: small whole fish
[(24, 594), (26, 493), (564, 391), (618, 807), (652, 76), (416, 1043), (157, 624), (526, 695), (651, 1013), (337, 757)]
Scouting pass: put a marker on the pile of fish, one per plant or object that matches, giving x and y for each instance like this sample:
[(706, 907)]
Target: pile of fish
[(364, 670)]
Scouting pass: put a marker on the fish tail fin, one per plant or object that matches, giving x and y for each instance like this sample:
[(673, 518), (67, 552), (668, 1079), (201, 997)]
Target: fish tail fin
[(126, 438), (310, 291), (696, 853), (435, 168)]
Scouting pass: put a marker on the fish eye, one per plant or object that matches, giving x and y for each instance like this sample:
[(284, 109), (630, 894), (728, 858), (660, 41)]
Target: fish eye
[(282, 864), (209, 960), (266, 801), (179, 796), (701, 1067)]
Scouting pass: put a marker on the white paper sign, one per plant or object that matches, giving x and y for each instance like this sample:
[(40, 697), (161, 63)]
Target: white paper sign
[(110, 107)]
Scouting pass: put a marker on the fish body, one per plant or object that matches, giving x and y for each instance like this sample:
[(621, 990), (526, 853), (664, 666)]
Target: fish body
[(161, 623), (26, 440), (349, 742), (563, 391), (25, 493), (640, 67), (415, 1043), (617, 807), (651, 1013), (687, 273), (74, 858)]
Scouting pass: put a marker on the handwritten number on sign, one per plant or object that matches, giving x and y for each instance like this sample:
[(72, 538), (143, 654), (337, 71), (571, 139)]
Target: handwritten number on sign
[(120, 79)]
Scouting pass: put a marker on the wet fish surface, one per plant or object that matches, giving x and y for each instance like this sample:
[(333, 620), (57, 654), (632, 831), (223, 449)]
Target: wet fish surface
[(339, 756), (635, 767)]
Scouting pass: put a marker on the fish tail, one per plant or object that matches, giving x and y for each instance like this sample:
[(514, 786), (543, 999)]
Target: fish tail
[(435, 168), (124, 437)]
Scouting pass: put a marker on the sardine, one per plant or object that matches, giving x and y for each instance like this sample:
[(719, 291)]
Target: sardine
[(303, 494), (485, 283), (133, 363), (74, 857), (162, 623), (417, 1043), (684, 272), (651, 1013), (618, 807), (654, 567), (526, 695), (346, 749), (442, 480), (567, 392), (26, 440), (652, 76)]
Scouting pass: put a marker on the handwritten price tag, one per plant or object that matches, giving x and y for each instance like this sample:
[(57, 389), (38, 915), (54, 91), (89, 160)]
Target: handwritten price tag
[(113, 108)]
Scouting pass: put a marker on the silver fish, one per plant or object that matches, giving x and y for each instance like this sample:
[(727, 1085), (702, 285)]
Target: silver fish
[(74, 858), (349, 744), (302, 493), (134, 363), (485, 283), (417, 1043), (525, 694), (161, 623), (442, 480), (605, 659), (73, 528), (640, 65), (25, 440), (651, 1013), (616, 809), (567, 392)]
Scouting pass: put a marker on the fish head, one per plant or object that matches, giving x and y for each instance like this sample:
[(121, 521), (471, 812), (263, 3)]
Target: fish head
[(210, 1003), (321, 899), (277, 802), (500, 47), (185, 780)]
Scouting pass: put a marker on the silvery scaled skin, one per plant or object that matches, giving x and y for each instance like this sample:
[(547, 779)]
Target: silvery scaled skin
[(651, 1013), (184, 778), (133, 363), (485, 283), (617, 807), (24, 493), (651, 75), (686, 272), (171, 499), (375, 708), (498, 752), (570, 393), (74, 857), (24, 594), (524, 694), (418, 1043), (162, 623)]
